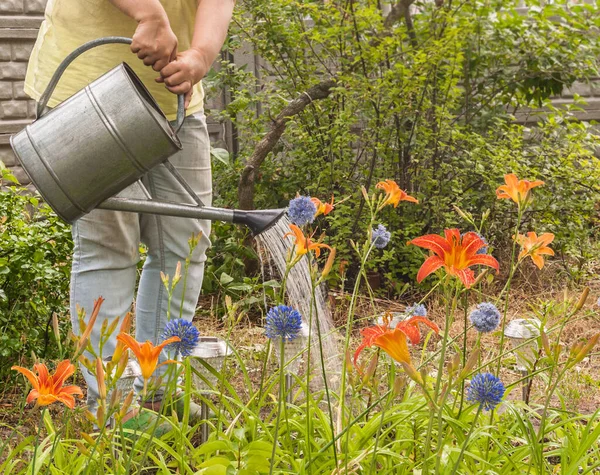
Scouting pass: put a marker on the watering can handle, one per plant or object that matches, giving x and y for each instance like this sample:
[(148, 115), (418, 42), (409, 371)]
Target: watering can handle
[(82, 49)]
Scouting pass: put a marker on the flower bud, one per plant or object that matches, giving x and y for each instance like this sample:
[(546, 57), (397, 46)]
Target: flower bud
[(100, 379), (328, 264), (587, 348), (55, 327), (399, 384), (582, 299), (469, 365), (412, 373), (88, 438)]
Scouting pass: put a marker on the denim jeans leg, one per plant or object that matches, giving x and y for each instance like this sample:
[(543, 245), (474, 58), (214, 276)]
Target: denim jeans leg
[(167, 238), (105, 255)]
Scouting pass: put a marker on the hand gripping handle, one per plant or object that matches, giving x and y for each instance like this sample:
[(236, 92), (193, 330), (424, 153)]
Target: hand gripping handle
[(82, 49)]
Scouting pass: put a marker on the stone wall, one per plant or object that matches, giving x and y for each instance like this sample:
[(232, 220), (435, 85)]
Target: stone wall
[(19, 23)]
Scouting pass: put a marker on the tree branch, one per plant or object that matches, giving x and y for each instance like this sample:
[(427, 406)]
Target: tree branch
[(266, 145)]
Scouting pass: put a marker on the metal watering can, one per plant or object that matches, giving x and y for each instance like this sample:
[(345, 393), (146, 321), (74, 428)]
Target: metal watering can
[(103, 139)]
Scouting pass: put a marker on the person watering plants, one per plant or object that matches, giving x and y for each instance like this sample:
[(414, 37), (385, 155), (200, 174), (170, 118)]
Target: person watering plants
[(175, 42)]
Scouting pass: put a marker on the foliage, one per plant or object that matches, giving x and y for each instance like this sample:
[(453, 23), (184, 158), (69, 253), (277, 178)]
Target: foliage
[(35, 247), (427, 103), (395, 411)]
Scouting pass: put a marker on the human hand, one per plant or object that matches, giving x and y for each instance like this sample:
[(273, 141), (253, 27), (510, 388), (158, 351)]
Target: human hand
[(154, 42), (189, 68)]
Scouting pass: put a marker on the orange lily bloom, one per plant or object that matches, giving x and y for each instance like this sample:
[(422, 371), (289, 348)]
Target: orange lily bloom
[(146, 353), (393, 194), (515, 189), (455, 253), (323, 208), (48, 389), (304, 243), (535, 247), (394, 340)]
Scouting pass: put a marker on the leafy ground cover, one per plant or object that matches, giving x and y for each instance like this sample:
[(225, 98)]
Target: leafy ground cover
[(434, 393)]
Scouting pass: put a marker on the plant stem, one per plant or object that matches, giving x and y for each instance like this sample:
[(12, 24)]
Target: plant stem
[(464, 446)]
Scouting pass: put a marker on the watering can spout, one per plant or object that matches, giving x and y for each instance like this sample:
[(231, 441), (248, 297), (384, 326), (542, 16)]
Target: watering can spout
[(258, 220)]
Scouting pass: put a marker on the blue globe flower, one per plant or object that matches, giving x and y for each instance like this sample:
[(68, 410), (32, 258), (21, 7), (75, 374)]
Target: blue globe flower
[(486, 390), (283, 322), (302, 210), (486, 317), (185, 330), (416, 310), (380, 236), (483, 250)]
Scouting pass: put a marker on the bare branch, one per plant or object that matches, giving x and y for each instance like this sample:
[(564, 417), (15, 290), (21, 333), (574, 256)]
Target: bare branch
[(248, 176)]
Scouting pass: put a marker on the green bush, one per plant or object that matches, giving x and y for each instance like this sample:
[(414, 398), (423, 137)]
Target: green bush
[(35, 247), (429, 103)]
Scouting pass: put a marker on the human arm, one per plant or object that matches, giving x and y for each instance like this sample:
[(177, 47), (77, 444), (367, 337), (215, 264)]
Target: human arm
[(153, 41), (210, 30)]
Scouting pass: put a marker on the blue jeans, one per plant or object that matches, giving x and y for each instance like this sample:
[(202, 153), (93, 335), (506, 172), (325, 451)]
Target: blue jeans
[(106, 253)]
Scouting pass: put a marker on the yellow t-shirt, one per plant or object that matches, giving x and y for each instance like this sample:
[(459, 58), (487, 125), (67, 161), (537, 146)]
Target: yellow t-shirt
[(70, 23)]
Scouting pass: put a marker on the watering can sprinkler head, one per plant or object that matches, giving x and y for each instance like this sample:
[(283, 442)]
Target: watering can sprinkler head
[(258, 220)]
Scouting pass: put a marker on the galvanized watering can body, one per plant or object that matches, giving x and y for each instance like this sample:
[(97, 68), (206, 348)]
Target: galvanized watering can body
[(104, 138)]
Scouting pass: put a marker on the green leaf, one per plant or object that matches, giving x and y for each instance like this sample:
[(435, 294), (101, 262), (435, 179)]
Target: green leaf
[(221, 155), (225, 278)]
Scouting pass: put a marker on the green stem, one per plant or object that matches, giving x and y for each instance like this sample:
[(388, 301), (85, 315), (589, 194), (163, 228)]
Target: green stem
[(37, 440), (281, 396), (450, 308), (464, 446)]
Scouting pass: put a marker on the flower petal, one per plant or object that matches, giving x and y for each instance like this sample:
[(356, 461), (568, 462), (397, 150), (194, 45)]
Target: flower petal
[(430, 265), (485, 260), (33, 379), (394, 344), (466, 276), (433, 242)]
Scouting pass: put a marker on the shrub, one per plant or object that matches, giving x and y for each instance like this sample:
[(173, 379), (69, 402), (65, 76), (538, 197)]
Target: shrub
[(35, 247)]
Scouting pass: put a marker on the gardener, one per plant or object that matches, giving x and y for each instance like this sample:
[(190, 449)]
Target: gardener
[(176, 42)]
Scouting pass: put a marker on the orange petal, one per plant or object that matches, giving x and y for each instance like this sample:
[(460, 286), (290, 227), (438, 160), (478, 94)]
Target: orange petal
[(484, 260), (394, 344), (430, 265), (130, 343), (433, 242), (33, 379), (63, 371), (467, 277)]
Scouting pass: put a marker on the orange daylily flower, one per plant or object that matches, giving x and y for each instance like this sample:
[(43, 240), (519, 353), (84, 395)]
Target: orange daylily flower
[(515, 189), (455, 253), (393, 194), (48, 389), (146, 353), (323, 208), (303, 243), (390, 340), (535, 246)]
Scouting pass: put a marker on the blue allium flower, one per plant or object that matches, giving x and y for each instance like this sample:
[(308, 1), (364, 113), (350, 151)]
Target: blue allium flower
[(416, 310), (483, 250), (380, 237), (486, 317), (302, 210), (487, 390), (185, 330), (283, 322)]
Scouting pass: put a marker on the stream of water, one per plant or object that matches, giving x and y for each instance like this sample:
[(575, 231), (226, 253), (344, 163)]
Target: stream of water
[(298, 292)]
